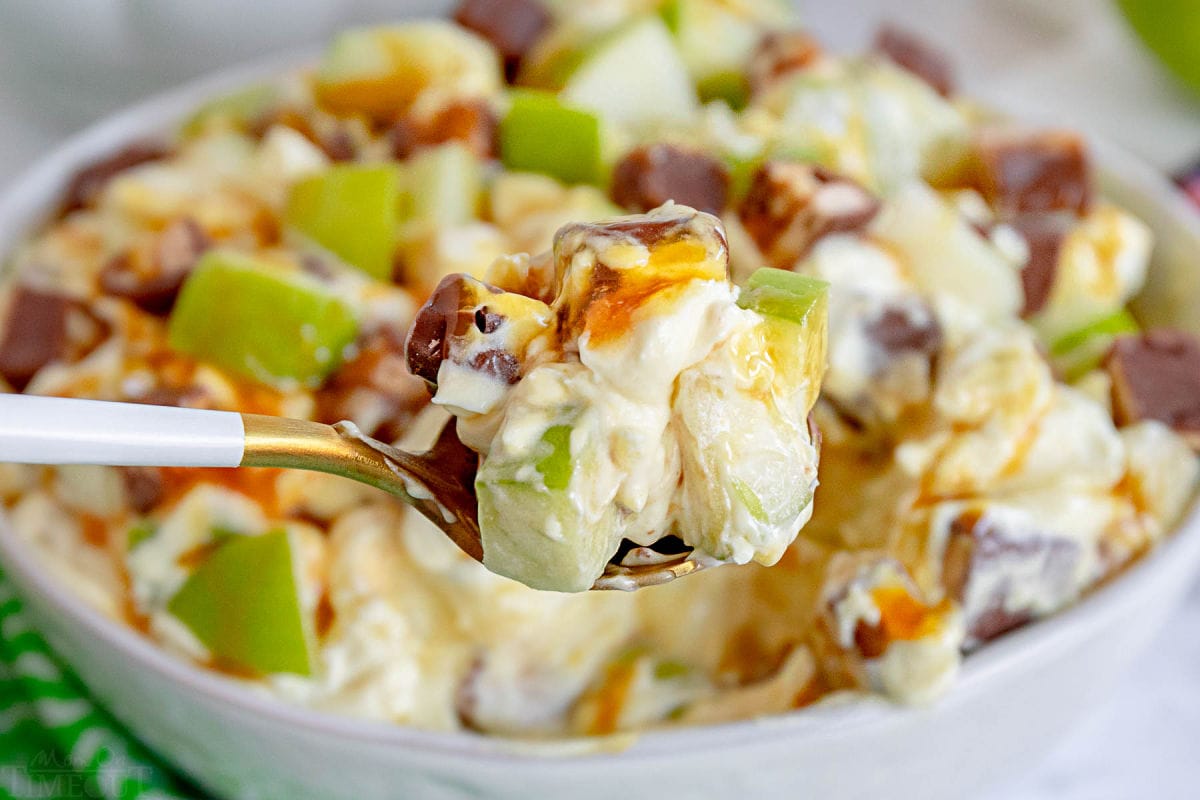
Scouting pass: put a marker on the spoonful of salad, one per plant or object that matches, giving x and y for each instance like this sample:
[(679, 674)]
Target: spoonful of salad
[(623, 415)]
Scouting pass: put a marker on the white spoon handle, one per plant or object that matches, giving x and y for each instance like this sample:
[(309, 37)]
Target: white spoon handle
[(55, 430)]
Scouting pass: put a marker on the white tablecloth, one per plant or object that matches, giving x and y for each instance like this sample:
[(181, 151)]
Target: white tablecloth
[(1054, 59)]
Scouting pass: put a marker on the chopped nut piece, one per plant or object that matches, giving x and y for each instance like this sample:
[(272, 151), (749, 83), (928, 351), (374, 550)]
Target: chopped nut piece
[(471, 122), (790, 206), (88, 183), (1157, 376), (915, 55), (779, 54), (649, 176), (155, 287), (1020, 172), (512, 26)]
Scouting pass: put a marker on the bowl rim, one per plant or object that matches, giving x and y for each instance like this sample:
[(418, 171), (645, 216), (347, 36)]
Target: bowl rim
[(30, 198)]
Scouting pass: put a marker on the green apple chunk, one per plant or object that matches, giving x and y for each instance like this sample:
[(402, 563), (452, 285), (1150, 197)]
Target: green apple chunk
[(795, 312), (238, 109), (1081, 351), (351, 211), (380, 71), (731, 87), (634, 76), (534, 522), (786, 295), (715, 41), (441, 187), (243, 605), (540, 133), (260, 321), (1171, 28), (749, 465)]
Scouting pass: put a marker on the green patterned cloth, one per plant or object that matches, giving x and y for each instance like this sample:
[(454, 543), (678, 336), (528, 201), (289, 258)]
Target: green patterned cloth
[(55, 742)]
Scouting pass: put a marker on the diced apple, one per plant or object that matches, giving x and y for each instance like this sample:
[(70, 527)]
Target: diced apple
[(380, 71), (795, 309), (536, 529), (441, 187), (1081, 351), (634, 76), (351, 211), (749, 465), (243, 604), (237, 109), (730, 87), (714, 39), (945, 255), (541, 133), (259, 321)]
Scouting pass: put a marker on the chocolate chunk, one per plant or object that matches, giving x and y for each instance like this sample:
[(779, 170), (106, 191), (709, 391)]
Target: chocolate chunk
[(487, 321), (996, 620), (34, 335), (1022, 172), (143, 487), (790, 206), (779, 54), (448, 315), (471, 122), (155, 287), (338, 144), (429, 336), (1043, 235), (1157, 376), (499, 364), (374, 389), (897, 332), (512, 26), (85, 188), (651, 175), (978, 566), (188, 396), (915, 55)]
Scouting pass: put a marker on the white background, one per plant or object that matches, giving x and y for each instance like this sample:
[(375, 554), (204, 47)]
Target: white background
[(66, 62)]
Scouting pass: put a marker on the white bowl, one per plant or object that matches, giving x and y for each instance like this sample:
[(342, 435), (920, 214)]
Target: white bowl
[(1013, 700)]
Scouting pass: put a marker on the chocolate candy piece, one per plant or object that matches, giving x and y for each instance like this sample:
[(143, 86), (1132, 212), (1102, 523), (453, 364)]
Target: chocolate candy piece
[(779, 54), (1043, 235), (1157, 376), (154, 289), (978, 560), (512, 26), (470, 122), (374, 389), (440, 318), (186, 396), (85, 188), (790, 206), (1021, 172), (651, 175), (897, 333), (144, 487), (34, 335), (913, 54)]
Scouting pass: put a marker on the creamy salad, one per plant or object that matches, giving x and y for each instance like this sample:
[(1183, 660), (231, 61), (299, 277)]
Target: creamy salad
[(651, 399), (998, 434)]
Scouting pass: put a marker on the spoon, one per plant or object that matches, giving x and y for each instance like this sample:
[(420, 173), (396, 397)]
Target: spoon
[(439, 483)]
